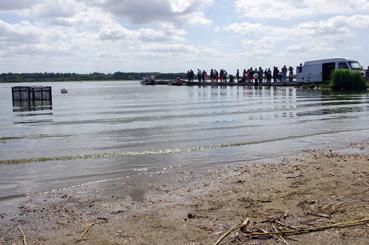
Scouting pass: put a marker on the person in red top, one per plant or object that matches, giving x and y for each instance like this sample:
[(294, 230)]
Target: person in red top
[(250, 75)]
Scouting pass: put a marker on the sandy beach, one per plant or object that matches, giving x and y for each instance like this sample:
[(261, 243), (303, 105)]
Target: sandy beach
[(309, 190)]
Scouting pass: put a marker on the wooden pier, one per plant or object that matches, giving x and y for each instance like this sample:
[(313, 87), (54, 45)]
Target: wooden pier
[(219, 84)]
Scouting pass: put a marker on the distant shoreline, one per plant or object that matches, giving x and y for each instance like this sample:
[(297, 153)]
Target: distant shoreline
[(66, 77)]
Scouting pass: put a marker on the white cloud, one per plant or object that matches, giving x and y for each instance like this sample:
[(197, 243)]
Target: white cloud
[(104, 35), (309, 47), (198, 18), (12, 34), (148, 11), (288, 9), (166, 33), (257, 48), (335, 28), (168, 48), (17, 4), (55, 9), (305, 40), (262, 44), (63, 12), (116, 32), (248, 28), (82, 48), (356, 21), (67, 13)]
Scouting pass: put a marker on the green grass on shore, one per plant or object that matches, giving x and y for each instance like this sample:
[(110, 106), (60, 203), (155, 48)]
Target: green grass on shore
[(348, 80)]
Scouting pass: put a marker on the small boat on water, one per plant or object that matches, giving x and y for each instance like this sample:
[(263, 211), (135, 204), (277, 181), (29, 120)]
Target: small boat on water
[(64, 91)]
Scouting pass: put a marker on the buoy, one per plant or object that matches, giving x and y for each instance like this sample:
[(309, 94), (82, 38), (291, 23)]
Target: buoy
[(64, 91)]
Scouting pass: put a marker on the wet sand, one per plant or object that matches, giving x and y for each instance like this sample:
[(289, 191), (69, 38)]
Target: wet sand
[(185, 207)]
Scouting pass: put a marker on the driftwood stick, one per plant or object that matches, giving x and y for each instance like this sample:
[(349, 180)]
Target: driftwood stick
[(285, 225), (85, 232), (275, 236), (262, 230), (280, 236), (227, 233), (23, 235), (245, 224), (319, 215), (309, 230)]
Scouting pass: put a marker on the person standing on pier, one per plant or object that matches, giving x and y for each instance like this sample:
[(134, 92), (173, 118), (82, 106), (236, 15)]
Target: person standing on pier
[(250, 75), (275, 74), (199, 75), (192, 75), (256, 75), (284, 73), (280, 76), (204, 76), (260, 74), (290, 75), (238, 75), (231, 78), (269, 75)]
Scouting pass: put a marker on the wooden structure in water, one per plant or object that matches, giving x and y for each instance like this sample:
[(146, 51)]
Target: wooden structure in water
[(218, 84), (31, 98)]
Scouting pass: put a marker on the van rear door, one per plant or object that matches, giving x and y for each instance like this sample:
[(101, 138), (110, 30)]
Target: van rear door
[(327, 69)]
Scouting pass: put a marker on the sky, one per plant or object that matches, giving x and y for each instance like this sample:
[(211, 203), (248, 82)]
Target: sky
[(87, 36)]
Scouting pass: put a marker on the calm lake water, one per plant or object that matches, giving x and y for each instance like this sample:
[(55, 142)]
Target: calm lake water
[(103, 130)]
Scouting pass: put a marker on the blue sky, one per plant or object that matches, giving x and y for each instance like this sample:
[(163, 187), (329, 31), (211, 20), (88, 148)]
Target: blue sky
[(176, 35)]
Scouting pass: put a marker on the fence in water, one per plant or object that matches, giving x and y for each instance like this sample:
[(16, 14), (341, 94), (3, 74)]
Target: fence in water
[(31, 98)]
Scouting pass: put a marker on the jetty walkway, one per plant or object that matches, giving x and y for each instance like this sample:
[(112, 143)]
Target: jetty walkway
[(219, 84)]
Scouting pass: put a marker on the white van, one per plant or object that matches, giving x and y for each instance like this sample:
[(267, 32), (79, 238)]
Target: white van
[(318, 71)]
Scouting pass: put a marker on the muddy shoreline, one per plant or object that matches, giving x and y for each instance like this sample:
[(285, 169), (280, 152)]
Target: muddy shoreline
[(186, 207)]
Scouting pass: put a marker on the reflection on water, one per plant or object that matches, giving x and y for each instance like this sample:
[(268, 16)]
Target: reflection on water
[(21, 106), (28, 113), (103, 130)]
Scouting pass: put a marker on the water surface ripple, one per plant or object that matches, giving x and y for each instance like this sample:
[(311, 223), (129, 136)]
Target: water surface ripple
[(104, 130)]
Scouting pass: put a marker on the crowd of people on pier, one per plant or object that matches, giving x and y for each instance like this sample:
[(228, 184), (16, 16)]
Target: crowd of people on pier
[(251, 75)]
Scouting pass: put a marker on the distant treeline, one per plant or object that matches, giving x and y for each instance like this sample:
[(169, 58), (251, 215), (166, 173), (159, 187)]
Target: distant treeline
[(55, 77)]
